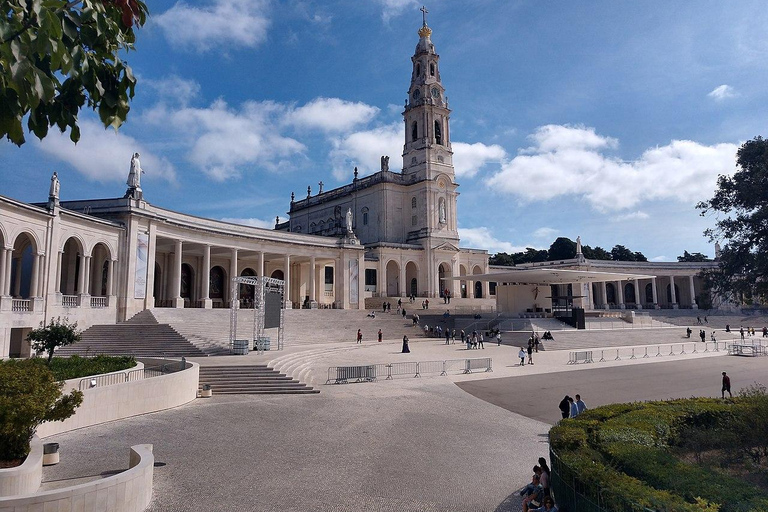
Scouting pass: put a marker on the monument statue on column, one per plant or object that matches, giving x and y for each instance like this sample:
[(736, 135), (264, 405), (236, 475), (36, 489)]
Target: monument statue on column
[(349, 237), (134, 178), (53, 192)]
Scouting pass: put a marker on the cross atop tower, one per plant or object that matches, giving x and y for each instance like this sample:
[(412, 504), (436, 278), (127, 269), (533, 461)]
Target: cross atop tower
[(424, 12)]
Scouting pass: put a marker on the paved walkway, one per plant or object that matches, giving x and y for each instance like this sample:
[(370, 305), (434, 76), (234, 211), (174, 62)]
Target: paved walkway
[(404, 444)]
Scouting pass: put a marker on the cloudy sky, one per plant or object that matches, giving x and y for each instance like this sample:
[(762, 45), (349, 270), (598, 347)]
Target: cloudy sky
[(600, 119)]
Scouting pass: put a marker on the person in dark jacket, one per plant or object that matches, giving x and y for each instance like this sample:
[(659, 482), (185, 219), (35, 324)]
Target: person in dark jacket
[(565, 407)]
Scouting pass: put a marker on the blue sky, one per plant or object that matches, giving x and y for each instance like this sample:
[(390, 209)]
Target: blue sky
[(607, 120)]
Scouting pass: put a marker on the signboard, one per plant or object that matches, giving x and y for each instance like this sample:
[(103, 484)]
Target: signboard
[(140, 278), (273, 303)]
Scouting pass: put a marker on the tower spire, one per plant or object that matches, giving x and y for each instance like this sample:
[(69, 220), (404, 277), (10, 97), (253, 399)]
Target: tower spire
[(424, 12)]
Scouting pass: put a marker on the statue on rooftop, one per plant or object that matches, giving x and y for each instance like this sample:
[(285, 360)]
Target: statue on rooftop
[(349, 220)]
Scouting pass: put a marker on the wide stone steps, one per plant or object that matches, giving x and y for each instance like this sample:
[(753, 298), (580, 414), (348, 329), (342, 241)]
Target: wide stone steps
[(140, 340), (251, 380)]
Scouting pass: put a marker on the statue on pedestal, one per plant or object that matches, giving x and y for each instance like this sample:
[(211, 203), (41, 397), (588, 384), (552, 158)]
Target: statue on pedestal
[(53, 192), (349, 222), (134, 178), (384, 163)]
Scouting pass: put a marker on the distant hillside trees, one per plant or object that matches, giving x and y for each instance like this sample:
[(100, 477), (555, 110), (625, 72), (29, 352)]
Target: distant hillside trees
[(563, 249)]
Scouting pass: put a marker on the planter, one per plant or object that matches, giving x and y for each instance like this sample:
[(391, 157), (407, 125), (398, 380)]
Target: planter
[(50, 454), (207, 391)]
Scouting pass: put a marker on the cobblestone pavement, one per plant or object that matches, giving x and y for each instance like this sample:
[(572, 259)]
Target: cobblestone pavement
[(411, 445)]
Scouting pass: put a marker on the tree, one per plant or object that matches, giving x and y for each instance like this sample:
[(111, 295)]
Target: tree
[(29, 396), (621, 253), (695, 257), (598, 253), (58, 333), (58, 56), (562, 249), (743, 200), (530, 255)]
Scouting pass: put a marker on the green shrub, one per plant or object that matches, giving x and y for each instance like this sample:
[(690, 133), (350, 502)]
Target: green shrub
[(29, 396), (75, 367)]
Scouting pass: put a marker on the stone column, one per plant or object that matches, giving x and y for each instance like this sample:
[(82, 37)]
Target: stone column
[(81, 278), (655, 295), (381, 277), (177, 259), (205, 292), (693, 293), (149, 296), (338, 283), (361, 281), (41, 277), (638, 300), (287, 279), (34, 276), (312, 279), (59, 265), (672, 293), (605, 295), (400, 278), (3, 263), (620, 291), (232, 274), (110, 278), (261, 264)]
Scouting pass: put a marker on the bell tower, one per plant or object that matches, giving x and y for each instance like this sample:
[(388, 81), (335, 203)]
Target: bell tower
[(427, 153)]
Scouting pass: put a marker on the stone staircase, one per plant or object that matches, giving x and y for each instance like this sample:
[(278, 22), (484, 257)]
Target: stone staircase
[(310, 326), (143, 337), (207, 329), (251, 380)]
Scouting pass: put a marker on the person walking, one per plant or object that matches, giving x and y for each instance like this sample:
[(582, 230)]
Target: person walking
[(463, 336), (726, 386), (521, 355), (380, 335), (574, 411), (565, 404), (530, 353), (536, 343), (403, 313), (359, 336), (453, 336), (406, 348), (447, 336), (580, 405), (480, 341), (498, 339)]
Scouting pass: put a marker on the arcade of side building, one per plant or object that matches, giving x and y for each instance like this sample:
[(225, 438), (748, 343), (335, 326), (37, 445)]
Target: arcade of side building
[(383, 236)]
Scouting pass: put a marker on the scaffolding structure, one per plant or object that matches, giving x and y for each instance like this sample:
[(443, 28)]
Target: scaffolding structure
[(264, 286)]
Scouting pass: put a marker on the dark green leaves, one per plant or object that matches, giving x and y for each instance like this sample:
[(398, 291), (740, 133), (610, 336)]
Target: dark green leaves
[(56, 57)]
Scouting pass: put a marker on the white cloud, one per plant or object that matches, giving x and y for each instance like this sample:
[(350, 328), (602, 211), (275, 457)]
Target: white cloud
[(220, 24), (722, 92), (392, 8), (223, 140), (482, 238), (174, 89), (104, 155), (659, 258), (253, 222), (331, 115), (469, 158), (638, 215), (568, 160), (364, 150), (547, 233)]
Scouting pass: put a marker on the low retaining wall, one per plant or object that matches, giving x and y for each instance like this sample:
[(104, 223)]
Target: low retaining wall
[(118, 401), (129, 491), (26, 478)]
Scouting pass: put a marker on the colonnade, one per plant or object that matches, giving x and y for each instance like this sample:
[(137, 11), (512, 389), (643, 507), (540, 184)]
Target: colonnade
[(641, 299)]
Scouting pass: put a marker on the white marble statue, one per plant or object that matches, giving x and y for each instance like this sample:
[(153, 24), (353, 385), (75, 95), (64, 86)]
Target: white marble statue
[(349, 220), (53, 193), (578, 245), (134, 177), (441, 212)]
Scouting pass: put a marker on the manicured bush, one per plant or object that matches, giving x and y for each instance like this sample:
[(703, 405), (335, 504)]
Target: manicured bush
[(74, 367), (29, 396), (628, 454)]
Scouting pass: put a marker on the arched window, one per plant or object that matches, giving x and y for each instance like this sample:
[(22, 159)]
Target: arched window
[(365, 216), (418, 70), (438, 133), (413, 202), (649, 293), (414, 131), (432, 68)]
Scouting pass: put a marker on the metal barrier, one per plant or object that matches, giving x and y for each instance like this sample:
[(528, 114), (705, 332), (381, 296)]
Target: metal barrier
[(580, 357), (746, 349), (343, 374), (646, 351)]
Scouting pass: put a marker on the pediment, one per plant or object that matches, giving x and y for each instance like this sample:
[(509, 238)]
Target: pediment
[(446, 246)]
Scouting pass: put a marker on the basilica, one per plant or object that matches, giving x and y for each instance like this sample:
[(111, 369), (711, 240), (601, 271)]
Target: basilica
[(390, 234)]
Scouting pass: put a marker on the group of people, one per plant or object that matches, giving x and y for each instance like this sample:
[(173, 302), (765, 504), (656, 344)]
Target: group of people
[(447, 296), (523, 352), (702, 334), (537, 495), (570, 408)]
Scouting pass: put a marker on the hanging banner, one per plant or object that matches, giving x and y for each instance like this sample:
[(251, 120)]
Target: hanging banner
[(140, 279), (354, 276)]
